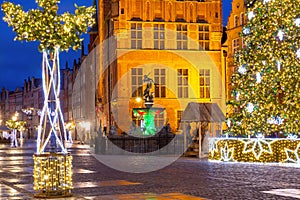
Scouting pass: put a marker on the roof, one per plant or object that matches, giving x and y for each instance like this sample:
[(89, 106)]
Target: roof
[(202, 112), (4, 128)]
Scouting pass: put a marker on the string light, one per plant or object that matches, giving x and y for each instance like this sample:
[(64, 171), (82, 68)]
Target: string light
[(251, 15), (255, 150), (267, 75), (52, 175)]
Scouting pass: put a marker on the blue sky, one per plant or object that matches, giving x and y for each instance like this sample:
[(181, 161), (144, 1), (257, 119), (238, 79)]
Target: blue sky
[(20, 60)]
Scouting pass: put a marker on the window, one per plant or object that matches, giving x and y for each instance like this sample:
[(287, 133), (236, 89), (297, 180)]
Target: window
[(136, 82), (203, 37), (236, 21), (182, 83), (191, 13), (181, 36), (242, 19), (243, 42), (235, 45), (159, 120), (136, 35), (179, 116), (148, 11), (159, 36), (170, 11), (204, 80), (160, 83)]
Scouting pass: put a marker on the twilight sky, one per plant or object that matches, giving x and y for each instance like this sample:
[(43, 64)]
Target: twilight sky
[(20, 60)]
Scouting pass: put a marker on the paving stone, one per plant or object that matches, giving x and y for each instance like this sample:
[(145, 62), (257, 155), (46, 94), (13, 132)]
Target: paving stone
[(187, 178)]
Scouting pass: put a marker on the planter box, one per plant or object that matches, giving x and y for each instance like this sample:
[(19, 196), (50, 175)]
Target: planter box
[(52, 175)]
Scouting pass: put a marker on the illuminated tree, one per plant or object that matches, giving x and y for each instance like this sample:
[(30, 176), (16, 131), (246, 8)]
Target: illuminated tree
[(266, 82), (55, 32)]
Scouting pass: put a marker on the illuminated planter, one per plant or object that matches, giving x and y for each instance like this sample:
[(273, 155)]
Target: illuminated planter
[(52, 175), (260, 150)]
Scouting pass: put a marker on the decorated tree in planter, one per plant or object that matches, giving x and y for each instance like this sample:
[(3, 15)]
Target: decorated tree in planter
[(266, 82), (56, 33)]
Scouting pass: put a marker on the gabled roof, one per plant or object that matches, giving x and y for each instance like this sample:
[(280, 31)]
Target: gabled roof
[(202, 112)]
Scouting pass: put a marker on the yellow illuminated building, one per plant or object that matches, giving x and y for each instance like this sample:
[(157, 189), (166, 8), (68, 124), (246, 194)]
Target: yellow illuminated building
[(175, 43)]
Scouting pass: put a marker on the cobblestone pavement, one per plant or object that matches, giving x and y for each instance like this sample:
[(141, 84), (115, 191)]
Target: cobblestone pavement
[(187, 178)]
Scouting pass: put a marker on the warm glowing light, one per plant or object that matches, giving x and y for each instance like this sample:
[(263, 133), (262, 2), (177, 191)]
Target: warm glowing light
[(14, 118), (261, 150), (52, 175), (138, 99), (265, 83)]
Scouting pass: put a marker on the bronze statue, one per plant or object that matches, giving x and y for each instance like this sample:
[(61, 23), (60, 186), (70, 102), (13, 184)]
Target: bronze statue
[(147, 95)]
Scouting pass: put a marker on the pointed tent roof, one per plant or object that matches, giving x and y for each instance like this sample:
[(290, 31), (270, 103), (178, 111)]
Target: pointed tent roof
[(4, 128), (202, 112)]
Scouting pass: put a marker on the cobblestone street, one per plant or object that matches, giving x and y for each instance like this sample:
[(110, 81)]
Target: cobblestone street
[(187, 178)]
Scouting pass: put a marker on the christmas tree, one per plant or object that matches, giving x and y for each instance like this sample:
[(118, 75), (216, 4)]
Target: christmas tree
[(266, 83)]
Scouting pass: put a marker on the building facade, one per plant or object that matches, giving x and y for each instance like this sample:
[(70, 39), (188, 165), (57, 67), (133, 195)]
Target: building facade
[(28, 101), (32, 104), (236, 21), (175, 43)]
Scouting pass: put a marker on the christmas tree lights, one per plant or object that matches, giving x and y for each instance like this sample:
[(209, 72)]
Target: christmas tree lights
[(266, 84)]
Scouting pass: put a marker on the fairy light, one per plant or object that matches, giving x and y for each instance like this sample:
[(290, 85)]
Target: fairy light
[(256, 150), (53, 175), (267, 71)]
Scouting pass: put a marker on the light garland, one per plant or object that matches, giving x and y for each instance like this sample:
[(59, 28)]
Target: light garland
[(293, 155), (257, 147), (255, 150), (227, 153)]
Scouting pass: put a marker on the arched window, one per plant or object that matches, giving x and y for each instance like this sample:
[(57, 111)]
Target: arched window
[(169, 11), (147, 10), (236, 21), (242, 19), (191, 13)]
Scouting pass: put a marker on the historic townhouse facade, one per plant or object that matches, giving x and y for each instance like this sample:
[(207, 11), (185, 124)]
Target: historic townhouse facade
[(32, 104), (175, 43), (4, 108), (28, 101), (236, 21)]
